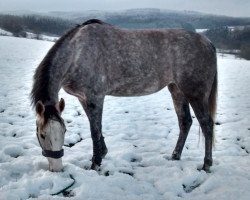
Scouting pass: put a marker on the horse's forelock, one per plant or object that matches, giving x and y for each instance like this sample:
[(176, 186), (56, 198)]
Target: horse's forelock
[(52, 113)]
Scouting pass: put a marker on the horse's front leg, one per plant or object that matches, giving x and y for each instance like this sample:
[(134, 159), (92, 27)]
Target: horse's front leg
[(93, 107)]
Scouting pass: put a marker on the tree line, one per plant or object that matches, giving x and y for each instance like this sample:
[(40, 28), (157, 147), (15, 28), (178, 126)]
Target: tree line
[(231, 39), (222, 37), (19, 25)]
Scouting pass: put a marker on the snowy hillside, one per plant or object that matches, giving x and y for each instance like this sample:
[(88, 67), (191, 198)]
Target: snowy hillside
[(5, 33), (140, 133)]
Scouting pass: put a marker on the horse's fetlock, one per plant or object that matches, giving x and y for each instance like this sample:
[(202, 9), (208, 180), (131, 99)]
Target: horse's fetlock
[(208, 161), (97, 159), (104, 152), (95, 167)]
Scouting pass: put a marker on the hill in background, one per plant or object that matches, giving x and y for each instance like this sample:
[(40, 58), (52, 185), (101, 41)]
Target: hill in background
[(154, 18), (57, 23)]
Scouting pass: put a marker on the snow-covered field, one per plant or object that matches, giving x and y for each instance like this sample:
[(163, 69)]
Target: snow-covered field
[(140, 133), (41, 37), (5, 33), (31, 36)]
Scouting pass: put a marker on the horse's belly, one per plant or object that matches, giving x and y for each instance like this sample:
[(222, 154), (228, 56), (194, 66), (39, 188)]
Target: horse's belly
[(136, 89)]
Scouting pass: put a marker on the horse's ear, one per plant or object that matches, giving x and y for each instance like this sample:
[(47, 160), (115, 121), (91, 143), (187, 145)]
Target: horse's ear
[(40, 108), (61, 105)]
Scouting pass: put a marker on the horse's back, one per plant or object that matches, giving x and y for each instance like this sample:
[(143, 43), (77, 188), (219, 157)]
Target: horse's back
[(139, 62)]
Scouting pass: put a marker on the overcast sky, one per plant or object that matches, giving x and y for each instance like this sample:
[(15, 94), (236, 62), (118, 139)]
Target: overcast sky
[(239, 8)]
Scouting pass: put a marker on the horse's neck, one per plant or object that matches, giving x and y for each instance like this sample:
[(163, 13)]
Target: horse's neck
[(59, 66), (49, 75), (49, 88), (54, 86)]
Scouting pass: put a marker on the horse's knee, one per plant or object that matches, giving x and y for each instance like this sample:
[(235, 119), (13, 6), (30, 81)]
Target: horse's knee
[(185, 119), (185, 124), (188, 118)]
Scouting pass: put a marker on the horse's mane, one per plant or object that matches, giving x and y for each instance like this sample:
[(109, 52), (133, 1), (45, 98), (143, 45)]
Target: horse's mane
[(92, 21), (41, 77)]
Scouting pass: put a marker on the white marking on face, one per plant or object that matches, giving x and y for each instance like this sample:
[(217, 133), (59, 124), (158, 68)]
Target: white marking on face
[(56, 135), (53, 139)]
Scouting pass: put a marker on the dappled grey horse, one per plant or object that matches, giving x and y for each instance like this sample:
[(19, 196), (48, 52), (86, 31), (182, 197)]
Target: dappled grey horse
[(97, 59)]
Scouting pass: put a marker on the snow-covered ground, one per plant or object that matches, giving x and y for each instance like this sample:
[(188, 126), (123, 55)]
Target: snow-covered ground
[(140, 133), (201, 30), (31, 36), (41, 37), (5, 33)]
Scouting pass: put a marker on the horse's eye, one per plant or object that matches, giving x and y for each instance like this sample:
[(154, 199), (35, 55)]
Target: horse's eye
[(42, 136)]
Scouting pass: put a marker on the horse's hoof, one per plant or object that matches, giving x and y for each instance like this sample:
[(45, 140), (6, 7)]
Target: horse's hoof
[(205, 168), (207, 164), (175, 157), (95, 167)]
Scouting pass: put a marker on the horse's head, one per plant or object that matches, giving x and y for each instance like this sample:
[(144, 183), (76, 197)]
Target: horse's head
[(50, 132)]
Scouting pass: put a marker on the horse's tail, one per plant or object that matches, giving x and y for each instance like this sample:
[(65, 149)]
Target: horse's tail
[(212, 101)]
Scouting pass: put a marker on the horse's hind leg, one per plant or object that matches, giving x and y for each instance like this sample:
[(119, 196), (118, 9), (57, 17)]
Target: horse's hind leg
[(184, 118), (201, 109), (93, 107)]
